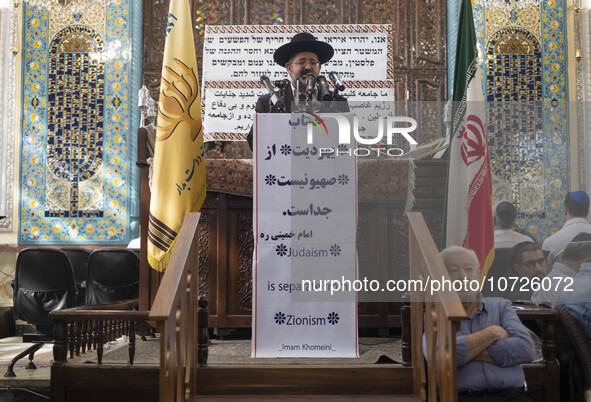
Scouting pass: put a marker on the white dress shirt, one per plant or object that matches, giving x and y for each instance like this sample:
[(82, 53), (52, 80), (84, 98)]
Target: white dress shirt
[(551, 296), (556, 243), (507, 238)]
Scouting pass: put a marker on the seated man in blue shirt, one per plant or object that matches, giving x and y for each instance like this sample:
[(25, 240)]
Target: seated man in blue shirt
[(563, 273), (492, 342)]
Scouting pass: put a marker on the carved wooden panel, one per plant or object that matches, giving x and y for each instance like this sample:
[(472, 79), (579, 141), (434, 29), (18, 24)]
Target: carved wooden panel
[(434, 219), (329, 12), (430, 183), (374, 245), (429, 195), (428, 34), (266, 13), (208, 12), (292, 12), (208, 246), (428, 86), (390, 12), (239, 11), (155, 20), (245, 253), (240, 251)]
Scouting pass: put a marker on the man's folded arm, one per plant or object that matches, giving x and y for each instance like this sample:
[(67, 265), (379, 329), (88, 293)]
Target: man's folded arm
[(518, 348), (469, 347), (485, 357)]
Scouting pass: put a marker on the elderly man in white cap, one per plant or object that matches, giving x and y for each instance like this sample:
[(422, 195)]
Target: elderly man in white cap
[(576, 209)]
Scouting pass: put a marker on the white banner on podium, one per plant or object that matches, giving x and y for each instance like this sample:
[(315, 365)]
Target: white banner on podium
[(305, 224)]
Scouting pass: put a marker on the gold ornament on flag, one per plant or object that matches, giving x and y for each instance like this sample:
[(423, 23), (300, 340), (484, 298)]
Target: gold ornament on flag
[(179, 94)]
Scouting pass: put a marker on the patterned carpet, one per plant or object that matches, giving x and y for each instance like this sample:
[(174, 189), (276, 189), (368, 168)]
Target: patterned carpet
[(371, 351)]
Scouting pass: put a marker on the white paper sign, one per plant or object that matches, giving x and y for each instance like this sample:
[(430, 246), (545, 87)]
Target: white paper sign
[(305, 226)]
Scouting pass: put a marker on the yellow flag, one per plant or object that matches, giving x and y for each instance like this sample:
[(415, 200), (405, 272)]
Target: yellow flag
[(178, 177)]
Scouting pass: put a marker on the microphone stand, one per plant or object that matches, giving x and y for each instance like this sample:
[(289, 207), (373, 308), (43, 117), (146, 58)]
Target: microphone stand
[(276, 104), (338, 85), (311, 84), (297, 107), (312, 105), (332, 108), (278, 107), (283, 85)]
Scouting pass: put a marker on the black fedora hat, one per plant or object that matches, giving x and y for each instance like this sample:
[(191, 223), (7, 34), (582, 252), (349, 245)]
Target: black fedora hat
[(303, 42)]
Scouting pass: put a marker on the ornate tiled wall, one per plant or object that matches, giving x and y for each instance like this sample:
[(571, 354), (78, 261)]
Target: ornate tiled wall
[(525, 66), (80, 77)]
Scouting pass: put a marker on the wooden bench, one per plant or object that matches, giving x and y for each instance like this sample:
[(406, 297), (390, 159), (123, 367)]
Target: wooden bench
[(543, 378)]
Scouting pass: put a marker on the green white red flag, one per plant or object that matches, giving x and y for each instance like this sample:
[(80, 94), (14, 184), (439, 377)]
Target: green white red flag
[(469, 221)]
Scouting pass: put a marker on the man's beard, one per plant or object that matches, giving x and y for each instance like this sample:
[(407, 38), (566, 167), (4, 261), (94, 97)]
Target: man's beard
[(303, 82)]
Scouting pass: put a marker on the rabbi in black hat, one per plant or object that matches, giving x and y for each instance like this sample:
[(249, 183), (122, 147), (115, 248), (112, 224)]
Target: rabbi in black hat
[(303, 55)]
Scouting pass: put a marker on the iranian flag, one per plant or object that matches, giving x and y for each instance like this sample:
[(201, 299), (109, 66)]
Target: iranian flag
[(469, 221)]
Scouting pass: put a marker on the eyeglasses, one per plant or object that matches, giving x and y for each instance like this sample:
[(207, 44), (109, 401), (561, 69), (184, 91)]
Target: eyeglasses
[(532, 263), (303, 62)]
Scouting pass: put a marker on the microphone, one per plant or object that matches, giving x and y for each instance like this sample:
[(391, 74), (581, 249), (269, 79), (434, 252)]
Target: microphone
[(323, 90), (285, 83), (336, 80), (275, 100), (311, 83)]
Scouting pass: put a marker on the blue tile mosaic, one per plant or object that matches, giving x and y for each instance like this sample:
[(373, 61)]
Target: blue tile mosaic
[(78, 124)]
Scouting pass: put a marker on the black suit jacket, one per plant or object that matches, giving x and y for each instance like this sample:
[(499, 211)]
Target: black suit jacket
[(264, 106)]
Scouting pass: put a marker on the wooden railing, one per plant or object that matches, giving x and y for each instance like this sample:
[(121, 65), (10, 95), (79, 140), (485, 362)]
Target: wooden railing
[(81, 329), (442, 315), (180, 317), (175, 313), (89, 327)]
